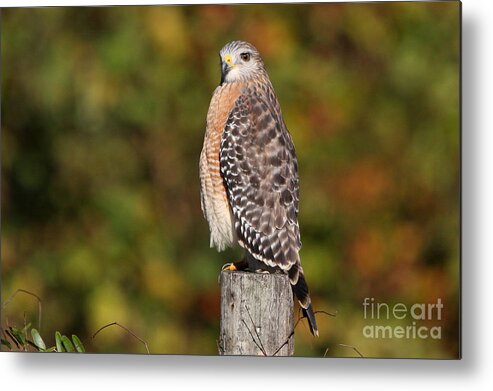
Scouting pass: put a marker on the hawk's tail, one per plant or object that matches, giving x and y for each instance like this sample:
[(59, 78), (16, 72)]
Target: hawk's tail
[(300, 290), (310, 315)]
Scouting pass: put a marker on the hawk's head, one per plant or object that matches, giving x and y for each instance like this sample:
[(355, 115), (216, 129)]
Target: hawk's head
[(240, 61)]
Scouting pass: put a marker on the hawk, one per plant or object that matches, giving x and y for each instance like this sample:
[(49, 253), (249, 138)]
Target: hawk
[(249, 173)]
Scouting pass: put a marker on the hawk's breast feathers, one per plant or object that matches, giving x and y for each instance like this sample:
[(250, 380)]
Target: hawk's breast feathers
[(214, 200)]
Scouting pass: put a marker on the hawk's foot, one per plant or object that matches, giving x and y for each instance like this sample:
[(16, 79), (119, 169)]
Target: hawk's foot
[(229, 266), (240, 265)]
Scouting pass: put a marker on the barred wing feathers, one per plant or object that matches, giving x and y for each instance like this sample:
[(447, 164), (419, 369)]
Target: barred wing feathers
[(259, 167), (260, 171)]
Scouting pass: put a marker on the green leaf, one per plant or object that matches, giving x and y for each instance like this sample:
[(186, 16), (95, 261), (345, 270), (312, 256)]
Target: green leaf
[(52, 349), (59, 344), (18, 335), (67, 344), (38, 341), (78, 344)]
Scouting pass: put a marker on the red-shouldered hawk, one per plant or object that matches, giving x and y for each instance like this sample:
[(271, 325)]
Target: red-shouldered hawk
[(249, 172)]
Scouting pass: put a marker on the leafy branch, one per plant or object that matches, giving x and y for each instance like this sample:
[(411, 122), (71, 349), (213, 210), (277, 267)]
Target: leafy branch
[(28, 338)]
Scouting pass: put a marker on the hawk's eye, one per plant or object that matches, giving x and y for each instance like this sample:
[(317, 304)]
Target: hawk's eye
[(245, 56)]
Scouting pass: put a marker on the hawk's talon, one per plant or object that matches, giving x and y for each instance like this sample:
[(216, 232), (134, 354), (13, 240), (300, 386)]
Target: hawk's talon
[(229, 266), (235, 266)]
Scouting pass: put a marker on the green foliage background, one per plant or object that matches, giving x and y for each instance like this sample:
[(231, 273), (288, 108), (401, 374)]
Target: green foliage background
[(103, 113)]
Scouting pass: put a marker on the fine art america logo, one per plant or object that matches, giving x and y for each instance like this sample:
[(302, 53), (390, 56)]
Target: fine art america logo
[(413, 315)]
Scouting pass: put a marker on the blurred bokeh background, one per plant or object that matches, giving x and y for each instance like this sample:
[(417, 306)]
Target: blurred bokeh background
[(103, 114)]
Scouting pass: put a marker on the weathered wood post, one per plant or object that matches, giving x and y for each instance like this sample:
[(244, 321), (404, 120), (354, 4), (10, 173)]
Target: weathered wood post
[(256, 314)]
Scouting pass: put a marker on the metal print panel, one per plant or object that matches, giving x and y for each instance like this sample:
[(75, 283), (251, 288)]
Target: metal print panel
[(268, 180)]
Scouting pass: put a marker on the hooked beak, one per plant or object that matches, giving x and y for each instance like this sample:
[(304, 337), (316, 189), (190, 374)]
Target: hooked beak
[(226, 66)]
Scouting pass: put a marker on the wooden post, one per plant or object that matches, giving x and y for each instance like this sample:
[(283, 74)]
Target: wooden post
[(256, 314)]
